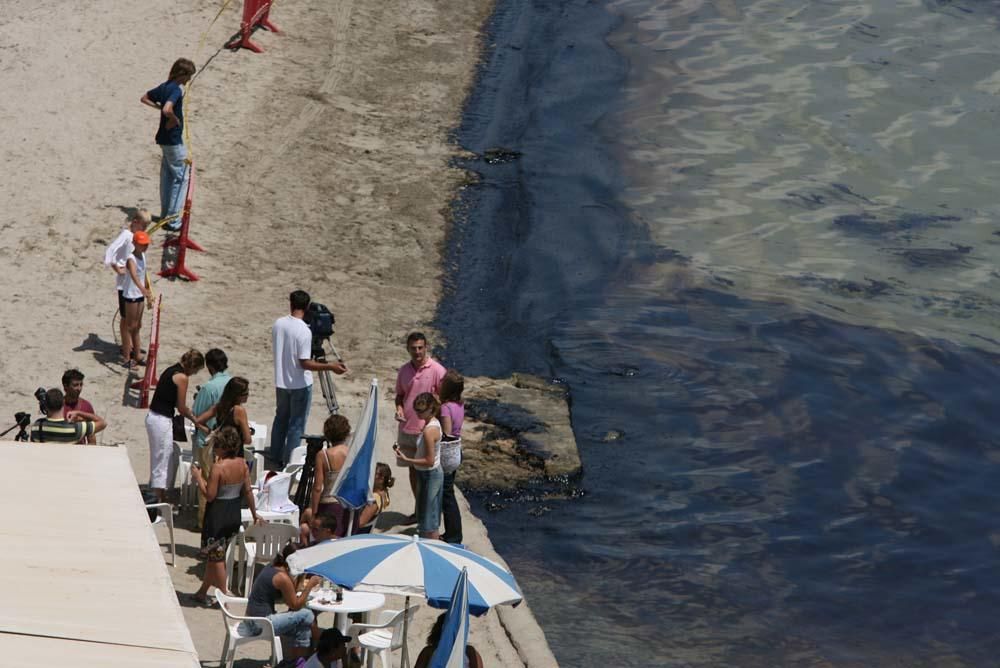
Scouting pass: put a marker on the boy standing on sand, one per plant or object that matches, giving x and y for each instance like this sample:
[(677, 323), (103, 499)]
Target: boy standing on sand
[(168, 98), (421, 374)]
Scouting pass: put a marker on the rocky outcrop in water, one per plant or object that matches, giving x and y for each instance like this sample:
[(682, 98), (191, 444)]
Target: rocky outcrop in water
[(517, 430)]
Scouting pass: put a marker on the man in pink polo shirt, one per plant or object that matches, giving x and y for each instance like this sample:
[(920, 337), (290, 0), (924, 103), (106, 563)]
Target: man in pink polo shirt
[(421, 374)]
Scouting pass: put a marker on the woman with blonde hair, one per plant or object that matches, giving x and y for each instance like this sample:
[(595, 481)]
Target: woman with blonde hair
[(169, 399)]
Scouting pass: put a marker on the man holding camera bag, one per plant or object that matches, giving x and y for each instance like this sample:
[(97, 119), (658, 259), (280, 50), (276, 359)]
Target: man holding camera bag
[(54, 428), (293, 367)]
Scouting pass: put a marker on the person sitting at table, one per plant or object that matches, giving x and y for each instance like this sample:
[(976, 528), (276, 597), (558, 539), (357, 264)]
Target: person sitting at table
[(331, 650), (472, 658), (274, 583), (229, 411), (329, 461), (228, 483)]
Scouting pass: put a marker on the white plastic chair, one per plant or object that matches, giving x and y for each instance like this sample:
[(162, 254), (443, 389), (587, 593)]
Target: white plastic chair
[(165, 515), (297, 459), (273, 495), (384, 636), (259, 545), (234, 638)]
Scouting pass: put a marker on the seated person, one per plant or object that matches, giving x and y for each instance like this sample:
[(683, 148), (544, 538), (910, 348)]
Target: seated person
[(55, 428), (472, 658), (317, 530), (331, 651), (274, 583), (364, 521)]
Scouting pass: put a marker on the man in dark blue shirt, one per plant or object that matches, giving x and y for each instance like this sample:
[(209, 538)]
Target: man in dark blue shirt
[(168, 98)]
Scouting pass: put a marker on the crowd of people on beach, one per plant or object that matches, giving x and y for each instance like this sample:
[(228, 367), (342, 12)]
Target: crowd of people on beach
[(428, 408)]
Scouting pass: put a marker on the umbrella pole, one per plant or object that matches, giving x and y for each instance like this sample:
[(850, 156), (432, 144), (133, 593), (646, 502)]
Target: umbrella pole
[(405, 659), (350, 522)]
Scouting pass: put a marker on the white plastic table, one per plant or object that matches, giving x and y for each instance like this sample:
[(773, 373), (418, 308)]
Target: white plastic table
[(354, 601)]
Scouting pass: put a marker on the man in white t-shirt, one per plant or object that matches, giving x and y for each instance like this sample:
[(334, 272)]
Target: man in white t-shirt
[(293, 366)]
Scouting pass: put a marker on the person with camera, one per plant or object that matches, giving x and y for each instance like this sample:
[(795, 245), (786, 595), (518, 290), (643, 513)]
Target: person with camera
[(292, 340), (74, 427), (72, 382)]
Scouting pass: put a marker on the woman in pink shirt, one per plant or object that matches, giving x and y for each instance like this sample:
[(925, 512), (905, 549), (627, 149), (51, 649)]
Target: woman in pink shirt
[(452, 417)]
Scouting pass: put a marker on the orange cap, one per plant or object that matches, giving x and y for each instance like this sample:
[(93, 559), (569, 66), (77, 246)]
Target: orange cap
[(140, 237)]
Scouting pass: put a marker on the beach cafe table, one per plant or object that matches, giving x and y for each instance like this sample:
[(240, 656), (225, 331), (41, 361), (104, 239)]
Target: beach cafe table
[(321, 600)]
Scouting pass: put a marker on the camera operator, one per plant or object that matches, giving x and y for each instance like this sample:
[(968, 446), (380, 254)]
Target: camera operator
[(54, 428), (293, 364)]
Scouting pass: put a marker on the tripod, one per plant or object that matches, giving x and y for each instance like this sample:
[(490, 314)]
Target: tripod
[(326, 377), (21, 424)]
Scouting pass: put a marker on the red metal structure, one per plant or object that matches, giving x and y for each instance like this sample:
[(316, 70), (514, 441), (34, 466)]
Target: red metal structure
[(183, 240), (256, 14), (149, 379)]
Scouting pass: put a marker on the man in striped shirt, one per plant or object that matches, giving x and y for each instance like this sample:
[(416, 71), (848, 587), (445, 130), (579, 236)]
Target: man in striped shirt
[(54, 428)]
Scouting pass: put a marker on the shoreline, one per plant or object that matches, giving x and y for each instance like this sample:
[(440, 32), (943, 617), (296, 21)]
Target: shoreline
[(323, 163)]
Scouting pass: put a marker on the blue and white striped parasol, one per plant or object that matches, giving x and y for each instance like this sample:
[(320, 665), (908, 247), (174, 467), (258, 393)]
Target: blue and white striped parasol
[(408, 566), (353, 485), (450, 651)]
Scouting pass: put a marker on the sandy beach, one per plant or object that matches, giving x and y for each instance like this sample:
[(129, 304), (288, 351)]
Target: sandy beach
[(322, 164)]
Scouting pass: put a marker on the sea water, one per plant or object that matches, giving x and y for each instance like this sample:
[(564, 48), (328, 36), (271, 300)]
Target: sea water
[(757, 242)]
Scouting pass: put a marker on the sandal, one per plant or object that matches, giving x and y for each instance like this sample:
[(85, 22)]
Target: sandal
[(203, 601)]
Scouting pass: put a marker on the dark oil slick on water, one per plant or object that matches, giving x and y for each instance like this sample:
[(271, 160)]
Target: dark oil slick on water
[(758, 242)]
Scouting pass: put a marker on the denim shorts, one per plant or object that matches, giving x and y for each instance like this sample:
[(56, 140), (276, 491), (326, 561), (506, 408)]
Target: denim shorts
[(429, 486), (294, 625)]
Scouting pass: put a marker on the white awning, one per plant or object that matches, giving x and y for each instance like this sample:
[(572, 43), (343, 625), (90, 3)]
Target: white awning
[(84, 580)]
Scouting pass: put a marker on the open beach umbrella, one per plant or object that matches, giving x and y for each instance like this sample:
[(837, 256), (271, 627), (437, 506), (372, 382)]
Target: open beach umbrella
[(408, 566), (353, 486), (450, 652)]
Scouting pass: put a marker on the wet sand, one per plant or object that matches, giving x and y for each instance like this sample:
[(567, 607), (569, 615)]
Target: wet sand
[(322, 164)]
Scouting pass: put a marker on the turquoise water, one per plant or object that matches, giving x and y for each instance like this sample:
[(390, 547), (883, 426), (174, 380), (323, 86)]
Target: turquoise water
[(757, 241)]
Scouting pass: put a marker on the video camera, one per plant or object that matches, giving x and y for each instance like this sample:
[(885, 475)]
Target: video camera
[(320, 320), (43, 400)]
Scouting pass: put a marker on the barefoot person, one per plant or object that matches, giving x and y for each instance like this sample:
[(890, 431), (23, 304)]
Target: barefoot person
[(137, 296), (421, 374), (226, 488), (168, 99), (169, 398), (115, 258)]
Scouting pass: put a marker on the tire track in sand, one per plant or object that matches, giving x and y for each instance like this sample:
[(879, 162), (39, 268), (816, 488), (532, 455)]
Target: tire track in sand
[(312, 109)]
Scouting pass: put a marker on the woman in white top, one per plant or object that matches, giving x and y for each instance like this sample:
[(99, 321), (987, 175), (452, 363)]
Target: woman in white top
[(427, 464), (136, 292)]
